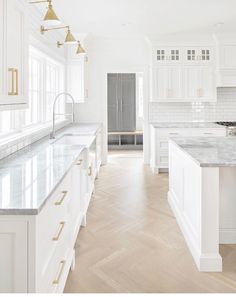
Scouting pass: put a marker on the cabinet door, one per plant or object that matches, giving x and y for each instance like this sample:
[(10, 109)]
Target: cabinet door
[(199, 84), (128, 102), (16, 52), (167, 83), (160, 85), (167, 55), (227, 56), (207, 84), (175, 83), (198, 55), (13, 257), (191, 83), (113, 102), (86, 77), (75, 80)]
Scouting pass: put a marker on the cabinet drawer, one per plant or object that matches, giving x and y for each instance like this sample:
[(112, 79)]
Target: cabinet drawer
[(56, 270), (166, 133), (209, 132), (51, 223)]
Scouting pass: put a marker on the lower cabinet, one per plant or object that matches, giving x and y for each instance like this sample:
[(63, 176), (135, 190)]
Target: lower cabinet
[(37, 251), (13, 256), (159, 142)]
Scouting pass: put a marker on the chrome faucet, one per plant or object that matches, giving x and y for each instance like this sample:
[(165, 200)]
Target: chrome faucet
[(52, 134)]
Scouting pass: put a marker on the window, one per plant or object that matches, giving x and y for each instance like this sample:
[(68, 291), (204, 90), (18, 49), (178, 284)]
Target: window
[(46, 79)]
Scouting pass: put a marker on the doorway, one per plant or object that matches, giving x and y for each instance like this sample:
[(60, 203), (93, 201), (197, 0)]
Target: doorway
[(125, 111)]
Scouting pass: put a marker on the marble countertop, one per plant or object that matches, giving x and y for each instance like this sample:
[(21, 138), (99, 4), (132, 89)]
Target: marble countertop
[(209, 152), (28, 177), (187, 125)]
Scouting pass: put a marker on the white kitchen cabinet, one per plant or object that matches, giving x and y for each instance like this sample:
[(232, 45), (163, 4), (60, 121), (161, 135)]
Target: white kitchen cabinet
[(226, 63), (98, 151), (199, 84), (168, 55), (13, 256), (227, 56), (77, 78), (14, 54), (167, 83), (183, 84), (183, 74), (159, 142), (37, 251), (198, 55)]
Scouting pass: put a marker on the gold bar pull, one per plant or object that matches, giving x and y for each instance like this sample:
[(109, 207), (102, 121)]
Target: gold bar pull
[(79, 162), (62, 225), (90, 171), (57, 280), (17, 82), (64, 193), (12, 93)]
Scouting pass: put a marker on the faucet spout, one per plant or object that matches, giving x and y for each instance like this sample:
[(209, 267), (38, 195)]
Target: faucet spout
[(52, 134)]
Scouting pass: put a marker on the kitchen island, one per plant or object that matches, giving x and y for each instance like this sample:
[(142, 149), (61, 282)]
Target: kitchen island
[(202, 192)]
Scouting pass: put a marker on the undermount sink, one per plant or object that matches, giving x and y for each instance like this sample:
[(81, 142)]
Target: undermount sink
[(70, 139)]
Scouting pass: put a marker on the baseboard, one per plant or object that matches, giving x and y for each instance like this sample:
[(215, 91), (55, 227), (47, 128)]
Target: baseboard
[(228, 236)]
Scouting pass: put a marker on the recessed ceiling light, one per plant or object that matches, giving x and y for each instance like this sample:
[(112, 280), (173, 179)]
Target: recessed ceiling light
[(219, 24), (126, 24)]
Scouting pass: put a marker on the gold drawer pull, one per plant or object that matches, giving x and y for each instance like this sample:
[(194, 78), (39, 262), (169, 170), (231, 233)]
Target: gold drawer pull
[(90, 171), (12, 71), (64, 193), (17, 84), (57, 280), (62, 225), (79, 162)]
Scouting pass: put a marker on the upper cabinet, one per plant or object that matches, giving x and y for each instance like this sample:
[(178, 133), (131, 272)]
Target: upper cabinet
[(77, 78), (168, 55), (183, 74), (77, 75), (198, 55), (226, 61), (14, 48)]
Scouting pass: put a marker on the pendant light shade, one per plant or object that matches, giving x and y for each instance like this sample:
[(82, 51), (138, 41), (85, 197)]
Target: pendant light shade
[(51, 18), (70, 39), (80, 49)]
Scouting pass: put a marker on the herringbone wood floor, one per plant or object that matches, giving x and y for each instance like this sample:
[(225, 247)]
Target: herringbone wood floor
[(132, 242)]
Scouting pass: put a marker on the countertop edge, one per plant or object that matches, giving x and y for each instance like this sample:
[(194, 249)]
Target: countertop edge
[(36, 211)]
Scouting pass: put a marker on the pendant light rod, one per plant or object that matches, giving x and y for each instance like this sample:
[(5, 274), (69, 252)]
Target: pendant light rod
[(43, 29)]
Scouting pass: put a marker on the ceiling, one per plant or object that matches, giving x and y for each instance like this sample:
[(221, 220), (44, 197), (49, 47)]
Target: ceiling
[(138, 18)]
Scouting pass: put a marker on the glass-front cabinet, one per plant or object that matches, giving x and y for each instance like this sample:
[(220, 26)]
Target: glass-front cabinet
[(197, 55), (168, 54)]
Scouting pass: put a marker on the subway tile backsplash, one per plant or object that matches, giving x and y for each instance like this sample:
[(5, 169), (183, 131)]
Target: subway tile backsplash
[(222, 110)]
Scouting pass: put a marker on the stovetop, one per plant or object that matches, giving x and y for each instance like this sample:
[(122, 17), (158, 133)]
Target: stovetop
[(227, 124)]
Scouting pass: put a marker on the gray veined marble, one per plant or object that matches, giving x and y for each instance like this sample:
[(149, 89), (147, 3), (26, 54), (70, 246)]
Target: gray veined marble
[(28, 177), (209, 152), (186, 125)]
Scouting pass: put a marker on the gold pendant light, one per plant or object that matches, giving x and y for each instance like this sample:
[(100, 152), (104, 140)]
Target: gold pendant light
[(50, 18), (70, 39), (80, 49)]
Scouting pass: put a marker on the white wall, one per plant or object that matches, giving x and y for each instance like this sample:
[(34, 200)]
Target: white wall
[(111, 56)]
